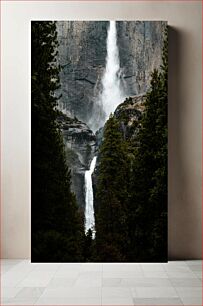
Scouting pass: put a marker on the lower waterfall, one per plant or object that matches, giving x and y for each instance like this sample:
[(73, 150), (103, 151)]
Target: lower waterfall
[(89, 199)]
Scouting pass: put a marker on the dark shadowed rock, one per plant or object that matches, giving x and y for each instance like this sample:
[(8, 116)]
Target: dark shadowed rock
[(129, 113), (80, 145)]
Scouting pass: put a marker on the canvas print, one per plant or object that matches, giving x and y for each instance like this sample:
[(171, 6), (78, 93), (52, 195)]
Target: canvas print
[(99, 141)]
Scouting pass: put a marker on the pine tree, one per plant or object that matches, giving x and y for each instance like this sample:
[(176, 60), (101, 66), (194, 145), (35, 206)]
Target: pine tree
[(57, 229), (148, 203), (158, 194), (88, 247), (111, 214)]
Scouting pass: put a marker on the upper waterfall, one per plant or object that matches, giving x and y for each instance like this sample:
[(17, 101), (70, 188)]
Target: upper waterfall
[(112, 93)]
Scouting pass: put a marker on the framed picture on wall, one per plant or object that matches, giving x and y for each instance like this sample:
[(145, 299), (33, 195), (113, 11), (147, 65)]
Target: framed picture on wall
[(99, 141)]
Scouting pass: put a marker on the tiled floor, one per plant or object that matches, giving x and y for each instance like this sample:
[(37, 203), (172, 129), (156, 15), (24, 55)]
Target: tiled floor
[(174, 283)]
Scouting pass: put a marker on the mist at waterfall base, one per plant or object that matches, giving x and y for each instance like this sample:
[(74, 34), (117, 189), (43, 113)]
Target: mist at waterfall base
[(112, 93)]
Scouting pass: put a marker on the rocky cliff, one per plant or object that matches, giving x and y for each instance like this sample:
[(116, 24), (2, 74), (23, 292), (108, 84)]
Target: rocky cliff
[(82, 54), (82, 58), (80, 145), (129, 114), (140, 47)]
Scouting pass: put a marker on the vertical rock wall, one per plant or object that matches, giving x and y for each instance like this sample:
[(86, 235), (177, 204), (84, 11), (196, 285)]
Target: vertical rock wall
[(140, 47), (82, 54)]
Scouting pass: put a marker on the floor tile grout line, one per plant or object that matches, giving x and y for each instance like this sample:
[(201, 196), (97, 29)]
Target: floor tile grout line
[(175, 290), (47, 285), (180, 298), (128, 286), (4, 273), (16, 286), (12, 267)]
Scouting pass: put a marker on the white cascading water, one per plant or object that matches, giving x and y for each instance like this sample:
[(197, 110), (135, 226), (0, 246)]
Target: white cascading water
[(89, 199), (110, 97), (112, 94)]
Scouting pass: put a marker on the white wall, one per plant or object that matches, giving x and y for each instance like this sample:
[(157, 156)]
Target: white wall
[(185, 60)]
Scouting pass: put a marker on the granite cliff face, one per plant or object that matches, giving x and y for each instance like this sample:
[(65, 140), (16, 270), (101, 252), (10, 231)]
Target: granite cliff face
[(140, 47), (82, 56), (129, 114), (80, 144), (82, 53)]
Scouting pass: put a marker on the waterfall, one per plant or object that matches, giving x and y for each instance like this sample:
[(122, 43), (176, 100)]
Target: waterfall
[(110, 97), (89, 200), (112, 94)]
